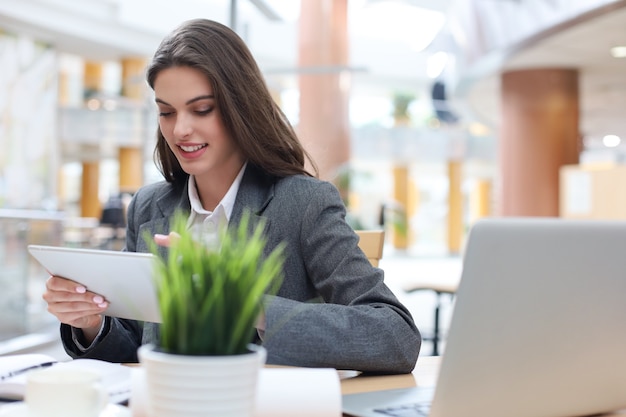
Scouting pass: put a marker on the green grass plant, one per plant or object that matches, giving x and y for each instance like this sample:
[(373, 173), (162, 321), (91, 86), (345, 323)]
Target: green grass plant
[(210, 296)]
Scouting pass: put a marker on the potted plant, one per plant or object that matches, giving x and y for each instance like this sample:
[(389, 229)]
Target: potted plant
[(210, 298)]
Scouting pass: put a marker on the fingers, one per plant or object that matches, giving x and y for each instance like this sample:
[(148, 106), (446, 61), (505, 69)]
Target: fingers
[(82, 319), (73, 304), (60, 284), (59, 290), (166, 240)]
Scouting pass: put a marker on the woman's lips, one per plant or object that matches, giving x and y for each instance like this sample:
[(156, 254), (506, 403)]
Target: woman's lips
[(192, 151)]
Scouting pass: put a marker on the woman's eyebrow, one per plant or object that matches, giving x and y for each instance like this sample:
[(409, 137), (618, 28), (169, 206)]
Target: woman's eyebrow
[(203, 97)]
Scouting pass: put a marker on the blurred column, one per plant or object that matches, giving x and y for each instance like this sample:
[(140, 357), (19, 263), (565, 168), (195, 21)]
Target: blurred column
[(480, 200), (89, 202), (90, 205), (131, 156), (540, 133), (63, 93), (404, 191), (63, 100), (324, 126), (92, 78), (455, 207), (400, 237)]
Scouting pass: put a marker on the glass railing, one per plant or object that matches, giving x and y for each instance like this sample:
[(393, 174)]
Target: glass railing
[(22, 280)]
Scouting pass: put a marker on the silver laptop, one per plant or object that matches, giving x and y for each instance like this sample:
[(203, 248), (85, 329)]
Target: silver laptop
[(538, 328)]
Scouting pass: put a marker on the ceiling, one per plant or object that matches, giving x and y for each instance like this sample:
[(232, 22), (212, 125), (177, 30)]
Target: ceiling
[(583, 43), (111, 29)]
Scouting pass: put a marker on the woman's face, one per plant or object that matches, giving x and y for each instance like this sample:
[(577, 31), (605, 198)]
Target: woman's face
[(192, 124)]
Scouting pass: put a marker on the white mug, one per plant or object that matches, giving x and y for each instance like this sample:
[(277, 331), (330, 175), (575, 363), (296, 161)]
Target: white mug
[(57, 392)]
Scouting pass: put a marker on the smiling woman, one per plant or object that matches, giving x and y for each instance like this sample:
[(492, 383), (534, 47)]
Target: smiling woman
[(225, 148), (192, 126)]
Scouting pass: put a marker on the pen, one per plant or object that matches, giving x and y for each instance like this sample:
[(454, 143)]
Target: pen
[(21, 371)]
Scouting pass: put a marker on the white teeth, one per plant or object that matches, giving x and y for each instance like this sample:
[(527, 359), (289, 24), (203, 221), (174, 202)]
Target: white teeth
[(192, 148)]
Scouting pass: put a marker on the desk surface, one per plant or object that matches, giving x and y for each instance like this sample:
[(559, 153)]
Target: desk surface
[(424, 374)]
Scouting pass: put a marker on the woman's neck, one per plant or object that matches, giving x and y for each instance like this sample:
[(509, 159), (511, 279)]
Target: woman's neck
[(213, 188)]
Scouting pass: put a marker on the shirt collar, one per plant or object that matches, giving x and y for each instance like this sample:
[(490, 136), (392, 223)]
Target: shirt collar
[(226, 204)]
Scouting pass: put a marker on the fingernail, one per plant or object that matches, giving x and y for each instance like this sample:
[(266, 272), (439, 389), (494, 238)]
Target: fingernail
[(102, 305), (81, 290), (98, 299), (158, 236)]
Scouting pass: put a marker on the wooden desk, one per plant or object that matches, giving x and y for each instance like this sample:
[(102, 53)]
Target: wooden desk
[(424, 374)]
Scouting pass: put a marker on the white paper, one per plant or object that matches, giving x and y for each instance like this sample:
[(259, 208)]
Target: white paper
[(115, 376), (281, 392), (302, 392)]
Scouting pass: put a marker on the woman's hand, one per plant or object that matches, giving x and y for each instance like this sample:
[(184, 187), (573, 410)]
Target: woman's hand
[(73, 304), (166, 240)]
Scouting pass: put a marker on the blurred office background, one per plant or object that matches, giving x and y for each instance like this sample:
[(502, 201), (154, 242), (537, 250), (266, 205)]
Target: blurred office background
[(427, 114)]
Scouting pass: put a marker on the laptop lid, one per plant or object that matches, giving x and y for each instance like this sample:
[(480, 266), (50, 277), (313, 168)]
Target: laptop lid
[(125, 279), (538, 324), (537, 328)]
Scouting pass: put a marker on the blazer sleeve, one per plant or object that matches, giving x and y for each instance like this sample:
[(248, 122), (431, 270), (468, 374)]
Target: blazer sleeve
[(359, 324), (118, 343)]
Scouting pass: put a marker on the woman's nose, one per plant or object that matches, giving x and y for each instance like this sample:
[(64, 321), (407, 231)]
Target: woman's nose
[(182, 127)]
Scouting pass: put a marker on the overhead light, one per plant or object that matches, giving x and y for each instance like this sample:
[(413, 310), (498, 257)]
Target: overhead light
[(93, 104), (478, 129), (618, 51), (611, 141)]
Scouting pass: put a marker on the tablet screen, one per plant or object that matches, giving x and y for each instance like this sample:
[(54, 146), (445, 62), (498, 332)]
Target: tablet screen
[(125, 279)]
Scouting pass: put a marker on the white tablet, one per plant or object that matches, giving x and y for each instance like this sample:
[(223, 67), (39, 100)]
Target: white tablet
[(123, 278)]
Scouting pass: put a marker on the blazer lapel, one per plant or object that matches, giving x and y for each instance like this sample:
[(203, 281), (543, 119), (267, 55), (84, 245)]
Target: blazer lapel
[(174, 199), (255, 193)]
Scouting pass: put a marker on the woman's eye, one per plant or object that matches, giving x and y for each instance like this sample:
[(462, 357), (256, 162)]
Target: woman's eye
[(165, 113), (203, 112)]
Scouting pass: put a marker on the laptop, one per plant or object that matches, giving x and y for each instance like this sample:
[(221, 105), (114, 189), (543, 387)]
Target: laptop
[(125, 279), (538, 327)]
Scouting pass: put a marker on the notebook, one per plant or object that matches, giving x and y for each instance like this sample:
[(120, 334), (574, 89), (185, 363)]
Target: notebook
[(124, 278), (15, 368), (538, 327)]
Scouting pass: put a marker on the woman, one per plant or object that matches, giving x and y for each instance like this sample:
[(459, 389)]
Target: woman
[(223, 146)]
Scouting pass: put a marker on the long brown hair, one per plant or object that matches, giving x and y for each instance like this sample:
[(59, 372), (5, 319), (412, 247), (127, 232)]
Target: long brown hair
[(251, 117)]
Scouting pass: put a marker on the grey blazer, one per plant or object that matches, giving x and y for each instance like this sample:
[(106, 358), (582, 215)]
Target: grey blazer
[(333, 308)]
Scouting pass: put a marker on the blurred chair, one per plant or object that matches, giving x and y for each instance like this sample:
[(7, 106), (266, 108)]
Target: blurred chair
[(371, 243), (112, 230), (440, 286), (113, 214)]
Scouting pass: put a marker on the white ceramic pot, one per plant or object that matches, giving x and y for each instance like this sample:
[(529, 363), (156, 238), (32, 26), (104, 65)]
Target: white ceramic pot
[(201, 386)]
